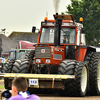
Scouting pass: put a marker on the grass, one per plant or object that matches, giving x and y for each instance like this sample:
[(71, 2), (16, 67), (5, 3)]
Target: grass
[(2, 87)]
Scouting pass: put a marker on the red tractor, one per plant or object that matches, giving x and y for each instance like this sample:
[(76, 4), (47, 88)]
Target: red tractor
[(26, 45), (61, 53)]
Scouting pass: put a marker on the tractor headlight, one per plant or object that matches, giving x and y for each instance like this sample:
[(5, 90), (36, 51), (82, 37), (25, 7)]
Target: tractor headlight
[(47, 61), (38, 60)]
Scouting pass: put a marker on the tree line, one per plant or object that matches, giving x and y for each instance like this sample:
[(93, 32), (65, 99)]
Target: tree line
[(90, 11)]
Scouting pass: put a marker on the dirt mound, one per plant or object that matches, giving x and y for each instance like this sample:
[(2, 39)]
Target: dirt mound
[(7, 44)]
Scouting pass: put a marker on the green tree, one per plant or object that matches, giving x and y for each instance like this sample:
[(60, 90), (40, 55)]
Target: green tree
[(90, 11)]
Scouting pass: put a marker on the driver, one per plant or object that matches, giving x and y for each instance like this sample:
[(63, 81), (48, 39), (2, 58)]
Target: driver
[(63, 38)]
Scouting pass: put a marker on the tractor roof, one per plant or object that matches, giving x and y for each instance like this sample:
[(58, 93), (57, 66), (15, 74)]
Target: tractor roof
[(64, 17)]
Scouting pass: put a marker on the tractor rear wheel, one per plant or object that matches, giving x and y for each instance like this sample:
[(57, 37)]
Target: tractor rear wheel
[(94, 74), (77, 86), (88, 59), (8, 69), (21, 66)]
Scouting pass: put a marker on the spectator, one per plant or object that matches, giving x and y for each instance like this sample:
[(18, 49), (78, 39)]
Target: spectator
[(19, 90)]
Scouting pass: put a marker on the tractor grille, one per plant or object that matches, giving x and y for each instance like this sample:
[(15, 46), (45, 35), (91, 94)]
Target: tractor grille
[(55, 56), (43, 52)]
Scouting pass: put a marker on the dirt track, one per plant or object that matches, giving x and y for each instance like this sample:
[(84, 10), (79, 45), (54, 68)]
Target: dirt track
[(57, 97)]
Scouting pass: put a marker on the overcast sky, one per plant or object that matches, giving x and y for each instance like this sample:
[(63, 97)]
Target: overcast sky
[(21, 15)]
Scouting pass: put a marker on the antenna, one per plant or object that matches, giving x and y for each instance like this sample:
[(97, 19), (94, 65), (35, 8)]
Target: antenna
[(46, 14)]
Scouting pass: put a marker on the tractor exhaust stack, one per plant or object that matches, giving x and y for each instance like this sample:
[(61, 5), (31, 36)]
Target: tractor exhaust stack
[(57, 30)]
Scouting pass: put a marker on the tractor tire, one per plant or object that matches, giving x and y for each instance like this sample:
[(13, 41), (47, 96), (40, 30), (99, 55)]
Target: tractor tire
[(30, 55), (94, 74), (88, 59), (8, 66), (8, 69), (88, 56), (21, 66), (77, 86)]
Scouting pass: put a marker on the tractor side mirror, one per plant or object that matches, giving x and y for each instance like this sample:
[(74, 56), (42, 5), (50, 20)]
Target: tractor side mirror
[(33, 29), (83, 30)]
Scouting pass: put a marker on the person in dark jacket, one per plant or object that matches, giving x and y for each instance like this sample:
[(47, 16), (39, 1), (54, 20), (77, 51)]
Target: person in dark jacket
[(19, 90)]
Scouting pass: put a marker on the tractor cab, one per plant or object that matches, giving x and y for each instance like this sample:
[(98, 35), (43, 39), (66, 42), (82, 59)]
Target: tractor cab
[(59, 39), (18, 53), (69, 32)]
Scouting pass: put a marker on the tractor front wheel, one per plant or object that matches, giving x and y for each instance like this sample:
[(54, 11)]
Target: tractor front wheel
[(21, 66), (77, 86)]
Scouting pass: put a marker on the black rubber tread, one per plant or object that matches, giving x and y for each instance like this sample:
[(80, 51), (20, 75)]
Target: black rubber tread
[(66, 66), (77, 81), (8, 69), (16, 66), (30, 55), (88, 59), (61, 70), (93, 68), (21, 66), (88, 56), (72, 86)]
